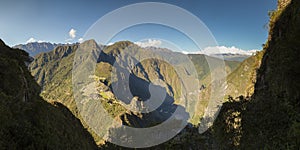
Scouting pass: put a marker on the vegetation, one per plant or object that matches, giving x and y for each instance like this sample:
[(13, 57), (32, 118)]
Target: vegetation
[(273, 113), (270, 118), (27, 121), (202, 67), (242, 80), (260, 111)]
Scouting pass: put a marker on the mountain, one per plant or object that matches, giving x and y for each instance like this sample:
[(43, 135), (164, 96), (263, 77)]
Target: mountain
[(242, 80), (55, 66), (239, 82), (27, 121), (53, 71), (275, 103), (269, 119), (35, 48), (226, 53), (232, 57), (260, 109), (203, 69)]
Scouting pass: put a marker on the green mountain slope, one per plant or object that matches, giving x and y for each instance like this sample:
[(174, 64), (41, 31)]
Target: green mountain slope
[(272, 117), (53, 70), (241, 81), (203, 69), (267, 119), (27, 121)]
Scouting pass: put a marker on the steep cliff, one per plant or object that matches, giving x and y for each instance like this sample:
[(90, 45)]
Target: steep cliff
[(272, 117), (27, 121)]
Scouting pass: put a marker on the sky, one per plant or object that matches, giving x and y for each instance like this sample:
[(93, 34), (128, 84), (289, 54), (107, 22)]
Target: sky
[(233, 23)]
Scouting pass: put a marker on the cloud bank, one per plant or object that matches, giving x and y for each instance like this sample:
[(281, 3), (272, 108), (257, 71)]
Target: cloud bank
[(80, 40), (223, 50), (32, 40), (149, 43)]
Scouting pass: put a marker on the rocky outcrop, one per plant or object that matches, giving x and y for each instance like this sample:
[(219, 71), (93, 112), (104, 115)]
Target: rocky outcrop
[(283, 3)]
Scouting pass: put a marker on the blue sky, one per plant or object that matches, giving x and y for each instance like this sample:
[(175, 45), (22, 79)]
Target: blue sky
[(232, 22)]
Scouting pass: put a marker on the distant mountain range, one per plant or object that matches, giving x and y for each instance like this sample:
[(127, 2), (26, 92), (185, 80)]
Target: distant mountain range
[(226, 50), (35, 48), (226, 53), (53, 71), (265, 114)]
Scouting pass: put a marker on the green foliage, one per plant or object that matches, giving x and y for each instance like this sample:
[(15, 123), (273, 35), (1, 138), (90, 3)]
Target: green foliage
[(271, 117), (202, 67), (227, 128), (241, 81), (158, 69), (268, 120), (27, 121), (112, 107), (104, 70)]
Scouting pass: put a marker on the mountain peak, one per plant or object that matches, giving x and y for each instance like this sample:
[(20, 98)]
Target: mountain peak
[(120, 43), (117, 46), (90, 41), (89, 44)]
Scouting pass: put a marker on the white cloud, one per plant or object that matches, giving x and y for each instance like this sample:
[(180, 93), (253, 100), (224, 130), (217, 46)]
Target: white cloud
[(111, 43), (32, 40), (80, 40), (186, 52), (72, 33), (149, 42), (223, 50)]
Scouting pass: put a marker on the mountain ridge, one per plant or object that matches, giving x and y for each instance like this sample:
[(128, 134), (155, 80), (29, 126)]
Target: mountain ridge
[(58, 73), (27, 121)]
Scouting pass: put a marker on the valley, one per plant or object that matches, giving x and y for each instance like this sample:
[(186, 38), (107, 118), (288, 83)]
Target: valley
[(86, 95)]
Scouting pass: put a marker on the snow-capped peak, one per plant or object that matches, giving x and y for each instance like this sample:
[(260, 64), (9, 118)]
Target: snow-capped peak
[(217, 50)]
